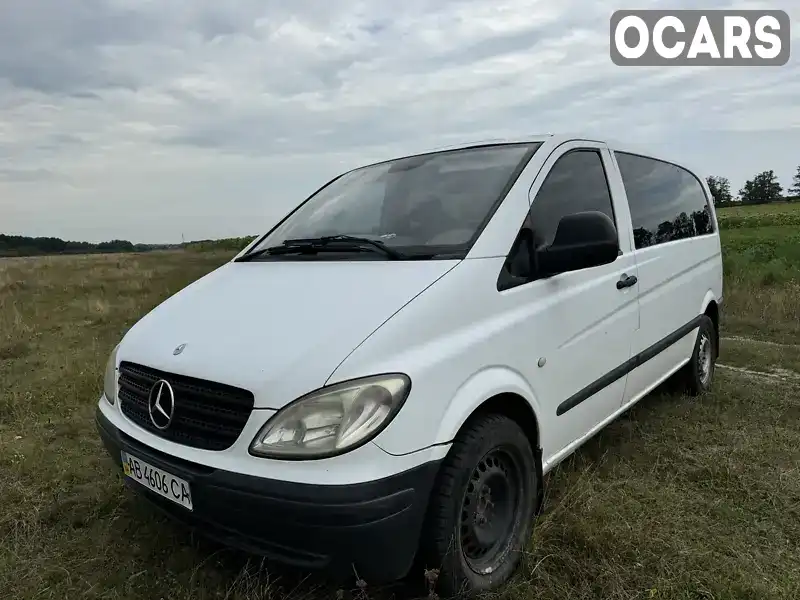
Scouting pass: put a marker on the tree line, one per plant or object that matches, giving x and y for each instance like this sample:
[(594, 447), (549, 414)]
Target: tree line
[(762, 189), (21, 245)]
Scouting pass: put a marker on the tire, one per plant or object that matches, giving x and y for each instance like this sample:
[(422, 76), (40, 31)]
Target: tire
[(473, 539), (698, 374)]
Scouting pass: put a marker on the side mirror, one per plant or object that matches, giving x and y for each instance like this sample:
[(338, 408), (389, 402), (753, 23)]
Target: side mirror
[(582, 240)]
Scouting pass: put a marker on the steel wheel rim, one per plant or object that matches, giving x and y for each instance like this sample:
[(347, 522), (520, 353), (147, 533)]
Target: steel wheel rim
[(704, 359), (490, 510)]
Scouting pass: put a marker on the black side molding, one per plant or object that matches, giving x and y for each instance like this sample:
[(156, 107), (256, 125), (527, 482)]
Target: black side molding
[(628, 366)]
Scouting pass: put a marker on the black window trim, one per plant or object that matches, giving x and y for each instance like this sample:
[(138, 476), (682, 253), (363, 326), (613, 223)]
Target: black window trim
[(507, 282), (709, 205), (533, 148)]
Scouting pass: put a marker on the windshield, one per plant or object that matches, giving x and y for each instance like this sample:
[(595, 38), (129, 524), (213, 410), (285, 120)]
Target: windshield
[(431, 204)]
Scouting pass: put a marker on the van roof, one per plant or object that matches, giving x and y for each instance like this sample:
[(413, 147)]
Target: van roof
[(560, 138)]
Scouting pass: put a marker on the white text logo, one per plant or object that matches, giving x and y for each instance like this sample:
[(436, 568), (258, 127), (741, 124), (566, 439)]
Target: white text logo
[(700, 37)]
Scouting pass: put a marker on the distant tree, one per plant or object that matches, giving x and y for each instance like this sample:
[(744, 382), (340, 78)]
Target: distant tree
[(720, 188), (642, 237), (794, 191), (115, 246), (763, 188)]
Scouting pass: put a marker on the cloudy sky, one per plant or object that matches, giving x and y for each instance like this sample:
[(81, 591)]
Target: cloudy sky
[(151, 119)]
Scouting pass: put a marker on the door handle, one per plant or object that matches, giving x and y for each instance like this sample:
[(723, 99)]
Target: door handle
[(626, 281)]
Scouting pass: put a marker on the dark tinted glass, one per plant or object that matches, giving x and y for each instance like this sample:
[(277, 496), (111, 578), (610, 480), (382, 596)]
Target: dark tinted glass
[(576, 183), (667, 202)]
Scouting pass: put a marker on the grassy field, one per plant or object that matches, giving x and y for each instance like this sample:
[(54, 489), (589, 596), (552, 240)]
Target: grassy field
[(678, 499), (761, 251), (763, 210)]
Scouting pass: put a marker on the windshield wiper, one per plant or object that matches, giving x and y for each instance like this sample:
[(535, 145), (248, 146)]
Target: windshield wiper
[(327, 243)]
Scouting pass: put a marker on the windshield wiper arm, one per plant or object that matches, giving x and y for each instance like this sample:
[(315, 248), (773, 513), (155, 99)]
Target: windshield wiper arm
[(329, 243), (347, 241)]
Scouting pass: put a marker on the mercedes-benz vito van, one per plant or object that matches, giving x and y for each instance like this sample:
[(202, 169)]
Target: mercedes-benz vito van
[(379, 383)]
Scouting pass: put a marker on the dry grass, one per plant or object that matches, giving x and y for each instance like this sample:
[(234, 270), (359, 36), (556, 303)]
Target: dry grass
[(679, 498)]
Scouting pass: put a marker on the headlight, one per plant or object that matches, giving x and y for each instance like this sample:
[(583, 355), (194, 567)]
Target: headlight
[(334, 419), (110, 380)]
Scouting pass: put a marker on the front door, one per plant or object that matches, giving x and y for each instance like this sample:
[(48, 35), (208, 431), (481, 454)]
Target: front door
[(582, 322)]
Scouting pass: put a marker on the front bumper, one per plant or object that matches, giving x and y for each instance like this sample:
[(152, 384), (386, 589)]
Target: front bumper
[(373, 526)]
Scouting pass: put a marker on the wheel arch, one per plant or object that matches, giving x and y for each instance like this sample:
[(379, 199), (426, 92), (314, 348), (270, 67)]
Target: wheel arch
[(516, 408), (712, 311), (493, 389), (515, 402)]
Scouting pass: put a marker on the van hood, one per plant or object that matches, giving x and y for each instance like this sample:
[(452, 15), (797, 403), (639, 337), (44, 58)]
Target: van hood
[(278, 329)]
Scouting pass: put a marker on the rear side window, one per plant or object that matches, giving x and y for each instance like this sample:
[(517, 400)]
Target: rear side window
[(667, 202), (576, 183)]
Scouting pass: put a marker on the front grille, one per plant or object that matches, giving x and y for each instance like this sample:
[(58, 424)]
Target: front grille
[(207, 414)]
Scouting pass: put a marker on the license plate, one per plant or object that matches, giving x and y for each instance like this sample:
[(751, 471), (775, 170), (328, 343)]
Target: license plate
[(163, 483)]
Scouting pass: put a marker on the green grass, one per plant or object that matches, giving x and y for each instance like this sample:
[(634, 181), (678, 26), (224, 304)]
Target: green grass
[(786, 214), (749, 209), (762, 282), (762, 357), (678, 499), (761, 254)]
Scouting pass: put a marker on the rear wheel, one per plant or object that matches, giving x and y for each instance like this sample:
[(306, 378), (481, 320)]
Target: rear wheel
[(481, 512), (697, 375)]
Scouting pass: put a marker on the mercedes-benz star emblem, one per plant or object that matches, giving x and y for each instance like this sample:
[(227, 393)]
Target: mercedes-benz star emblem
[(178, 350), (161, 404)]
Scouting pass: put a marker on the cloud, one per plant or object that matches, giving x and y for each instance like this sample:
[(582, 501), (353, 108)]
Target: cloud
[(148, 119)]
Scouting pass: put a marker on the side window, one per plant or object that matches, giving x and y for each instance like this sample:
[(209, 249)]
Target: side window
[(698, 203), (576, 183), (667, 202)]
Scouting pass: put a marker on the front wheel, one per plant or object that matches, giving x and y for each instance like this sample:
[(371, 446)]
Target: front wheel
[(481, 512)]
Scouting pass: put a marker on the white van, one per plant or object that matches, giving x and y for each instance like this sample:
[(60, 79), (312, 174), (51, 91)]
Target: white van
[(379, 384)]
